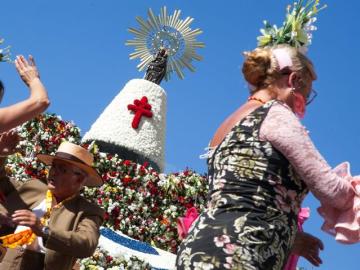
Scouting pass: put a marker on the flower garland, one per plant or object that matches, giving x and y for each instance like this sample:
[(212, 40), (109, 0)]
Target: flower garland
[(297, 28)]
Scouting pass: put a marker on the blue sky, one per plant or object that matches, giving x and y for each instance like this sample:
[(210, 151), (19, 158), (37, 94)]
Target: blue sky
[(80, 51)]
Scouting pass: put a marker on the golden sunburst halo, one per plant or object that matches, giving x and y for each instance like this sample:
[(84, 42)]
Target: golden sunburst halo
[(171, 33)]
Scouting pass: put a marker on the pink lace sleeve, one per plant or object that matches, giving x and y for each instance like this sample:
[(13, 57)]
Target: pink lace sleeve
[(337, 190), (285, 132)]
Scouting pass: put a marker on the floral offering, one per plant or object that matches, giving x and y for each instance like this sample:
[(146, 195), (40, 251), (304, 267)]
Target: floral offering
[(138, 201)]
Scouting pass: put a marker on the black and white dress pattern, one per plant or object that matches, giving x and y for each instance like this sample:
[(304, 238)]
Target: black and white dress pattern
[(254, 198)]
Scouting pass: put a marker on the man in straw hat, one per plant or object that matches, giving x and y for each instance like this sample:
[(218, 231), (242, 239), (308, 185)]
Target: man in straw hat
[(52, 224)]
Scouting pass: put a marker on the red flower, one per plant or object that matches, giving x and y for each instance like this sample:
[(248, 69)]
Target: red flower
[(105, 177), (142, 170), (117, 224), (181, 199), (188, 205), (108, 259), (115, 212), (126, 180), (127, 162), (146, 164)]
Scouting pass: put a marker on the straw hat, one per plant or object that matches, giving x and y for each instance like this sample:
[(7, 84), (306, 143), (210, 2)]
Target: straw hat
[(78, 156)]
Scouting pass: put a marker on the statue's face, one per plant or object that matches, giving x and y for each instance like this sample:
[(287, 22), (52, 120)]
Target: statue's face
[(163, 52)]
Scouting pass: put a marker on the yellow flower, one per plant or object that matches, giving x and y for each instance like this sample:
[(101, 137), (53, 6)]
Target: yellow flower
[(264, 40), (60, 128)]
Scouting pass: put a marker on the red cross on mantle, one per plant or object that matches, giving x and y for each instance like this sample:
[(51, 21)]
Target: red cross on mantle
[(140, 108)]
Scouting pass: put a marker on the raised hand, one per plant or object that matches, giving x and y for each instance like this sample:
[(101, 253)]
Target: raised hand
[(26, 69), (8, 142), (308, 246)]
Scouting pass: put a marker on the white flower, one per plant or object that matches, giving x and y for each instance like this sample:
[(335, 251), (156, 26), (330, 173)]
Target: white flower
[(203, 266), (228, 265)]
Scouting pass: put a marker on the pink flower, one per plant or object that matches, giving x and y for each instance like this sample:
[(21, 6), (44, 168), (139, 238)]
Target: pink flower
[(184, 223), (229, 249), (303, 215), (221, 240)]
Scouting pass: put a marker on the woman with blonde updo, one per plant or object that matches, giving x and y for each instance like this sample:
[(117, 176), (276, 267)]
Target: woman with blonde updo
[(262, 166)]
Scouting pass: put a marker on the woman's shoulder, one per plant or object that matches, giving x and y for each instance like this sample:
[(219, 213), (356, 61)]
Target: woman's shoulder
[(279, 105), (279, 108), (90, 208)]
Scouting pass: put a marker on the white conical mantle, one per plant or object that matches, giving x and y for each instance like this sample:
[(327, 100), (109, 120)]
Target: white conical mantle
[(113, 129)]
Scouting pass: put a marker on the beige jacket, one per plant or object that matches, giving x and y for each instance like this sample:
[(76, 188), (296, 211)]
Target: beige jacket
[(74, 227)]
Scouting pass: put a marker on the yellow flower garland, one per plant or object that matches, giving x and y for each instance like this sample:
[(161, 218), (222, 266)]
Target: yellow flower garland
[(26, 237)]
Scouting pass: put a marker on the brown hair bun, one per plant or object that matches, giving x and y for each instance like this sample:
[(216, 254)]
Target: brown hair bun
[(256, 66)]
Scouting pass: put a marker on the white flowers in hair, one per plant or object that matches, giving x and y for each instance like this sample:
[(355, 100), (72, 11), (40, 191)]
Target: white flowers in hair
[(297, 28), (4, 53)]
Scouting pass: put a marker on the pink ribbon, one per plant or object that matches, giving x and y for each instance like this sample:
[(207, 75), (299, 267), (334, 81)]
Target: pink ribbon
[(303, 215), (283, 58)]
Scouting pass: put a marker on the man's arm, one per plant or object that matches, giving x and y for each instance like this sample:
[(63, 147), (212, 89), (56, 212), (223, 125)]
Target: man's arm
[(8, 143), (7, 185), (80, 243)]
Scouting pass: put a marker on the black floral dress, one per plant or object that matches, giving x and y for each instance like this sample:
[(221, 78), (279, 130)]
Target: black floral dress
[(255, 195)]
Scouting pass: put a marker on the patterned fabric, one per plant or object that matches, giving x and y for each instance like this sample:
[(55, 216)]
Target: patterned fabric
[(255, 196)]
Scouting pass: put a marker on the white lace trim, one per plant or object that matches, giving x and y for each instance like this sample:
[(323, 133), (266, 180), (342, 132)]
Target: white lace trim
[(209, 151)]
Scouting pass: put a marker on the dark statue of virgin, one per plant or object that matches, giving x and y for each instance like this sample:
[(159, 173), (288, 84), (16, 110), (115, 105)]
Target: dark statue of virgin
[(157, 68)]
